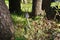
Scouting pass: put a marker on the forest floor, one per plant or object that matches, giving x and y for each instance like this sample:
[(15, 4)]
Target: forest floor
[(29, 29)]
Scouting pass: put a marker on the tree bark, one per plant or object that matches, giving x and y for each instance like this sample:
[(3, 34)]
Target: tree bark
[(36, 7), (14, 6), (50, 13), (6, 25)]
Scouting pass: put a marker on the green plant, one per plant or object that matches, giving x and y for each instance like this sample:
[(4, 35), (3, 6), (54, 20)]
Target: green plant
[(56, 5)]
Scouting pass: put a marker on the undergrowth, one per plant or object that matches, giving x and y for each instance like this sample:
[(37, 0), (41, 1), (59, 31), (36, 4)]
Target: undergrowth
[(38, 29)]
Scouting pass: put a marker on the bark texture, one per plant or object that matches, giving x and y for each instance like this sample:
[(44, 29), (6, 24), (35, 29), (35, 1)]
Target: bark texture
[(6, 25), (36, 7)]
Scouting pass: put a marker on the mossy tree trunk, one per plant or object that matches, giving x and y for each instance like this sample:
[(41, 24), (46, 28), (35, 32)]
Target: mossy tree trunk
[(6, 25)]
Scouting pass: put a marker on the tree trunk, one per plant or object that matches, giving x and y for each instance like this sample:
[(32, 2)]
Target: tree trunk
[(36, 7), (50, 13), (14, 6), (6, 25)]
